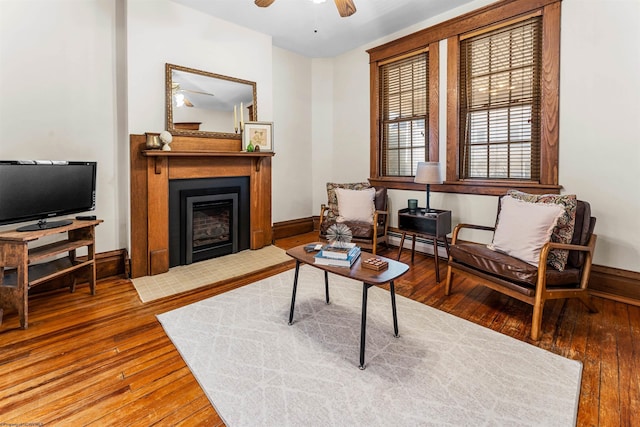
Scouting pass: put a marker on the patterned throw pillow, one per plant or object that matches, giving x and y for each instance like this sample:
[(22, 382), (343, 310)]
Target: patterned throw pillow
[(332, 199), (563, 231)]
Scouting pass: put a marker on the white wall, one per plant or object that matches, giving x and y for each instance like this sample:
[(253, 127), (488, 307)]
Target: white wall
[(600, 120), (57, 71), (292, 165), (322, 131), (160, 31), (599, 126)]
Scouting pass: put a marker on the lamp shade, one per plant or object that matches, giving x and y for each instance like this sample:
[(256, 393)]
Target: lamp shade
[(428, 173)]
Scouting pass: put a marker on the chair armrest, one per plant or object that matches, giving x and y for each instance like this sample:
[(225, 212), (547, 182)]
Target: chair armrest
[(459, 227), (323, 212), (544, 253), (377, 221), (587, 248), (378, 213)]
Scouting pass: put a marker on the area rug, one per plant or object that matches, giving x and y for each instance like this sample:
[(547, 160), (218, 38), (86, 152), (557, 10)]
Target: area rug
[(187, 277), (259, 371)]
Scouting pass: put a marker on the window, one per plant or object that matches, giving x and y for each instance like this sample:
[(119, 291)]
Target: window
[(404, 95), (500, 103), (502, 112)]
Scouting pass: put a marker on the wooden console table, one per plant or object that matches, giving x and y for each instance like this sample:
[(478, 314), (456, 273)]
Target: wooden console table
[(22, 268)]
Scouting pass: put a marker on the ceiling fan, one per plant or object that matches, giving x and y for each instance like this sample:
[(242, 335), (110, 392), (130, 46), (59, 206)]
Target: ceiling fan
[(181, 99), (345, 7)]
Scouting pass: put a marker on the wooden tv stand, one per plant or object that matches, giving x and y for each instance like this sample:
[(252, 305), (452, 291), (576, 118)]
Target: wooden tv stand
[(22, 268)]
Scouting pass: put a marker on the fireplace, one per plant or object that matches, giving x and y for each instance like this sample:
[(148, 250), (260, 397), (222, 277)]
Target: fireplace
[(208, 217), (191, 158)]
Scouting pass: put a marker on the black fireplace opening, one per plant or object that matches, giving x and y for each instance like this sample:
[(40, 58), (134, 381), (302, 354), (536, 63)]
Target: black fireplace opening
[(208, 218)]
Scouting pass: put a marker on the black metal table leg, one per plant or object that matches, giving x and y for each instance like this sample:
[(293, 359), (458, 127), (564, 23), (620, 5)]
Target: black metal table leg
[(293, 296), (363, 325), (326, 285), (393, 308)]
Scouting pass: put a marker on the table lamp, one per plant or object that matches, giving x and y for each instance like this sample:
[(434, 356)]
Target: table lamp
[(428, 173)]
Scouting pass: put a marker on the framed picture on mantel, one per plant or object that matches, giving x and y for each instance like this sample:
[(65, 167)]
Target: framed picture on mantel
[(257, 134)]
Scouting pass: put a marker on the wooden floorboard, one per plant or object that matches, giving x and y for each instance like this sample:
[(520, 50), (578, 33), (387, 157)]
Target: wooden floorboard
[(105, 359)]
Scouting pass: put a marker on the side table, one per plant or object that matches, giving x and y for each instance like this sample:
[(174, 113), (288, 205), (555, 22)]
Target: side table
[(434, 224), (23, 266)]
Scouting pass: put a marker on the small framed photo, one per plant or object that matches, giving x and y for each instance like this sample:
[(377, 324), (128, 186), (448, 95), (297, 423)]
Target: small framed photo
[(258, 134)]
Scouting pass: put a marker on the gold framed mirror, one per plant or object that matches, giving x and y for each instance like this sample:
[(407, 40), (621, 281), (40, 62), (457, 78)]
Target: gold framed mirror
[(204, 104)]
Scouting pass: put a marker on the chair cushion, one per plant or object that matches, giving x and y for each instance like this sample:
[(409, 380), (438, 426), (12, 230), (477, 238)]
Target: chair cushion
[(355, 205), (563, 231), (332, 199), (523, 228), (498, 264)]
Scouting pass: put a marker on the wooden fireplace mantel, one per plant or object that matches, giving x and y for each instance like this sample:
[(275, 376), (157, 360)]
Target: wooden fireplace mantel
[(151, 171), (158, 154)]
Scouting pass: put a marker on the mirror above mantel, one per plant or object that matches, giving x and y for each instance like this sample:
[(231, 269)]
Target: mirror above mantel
[(203, 104)]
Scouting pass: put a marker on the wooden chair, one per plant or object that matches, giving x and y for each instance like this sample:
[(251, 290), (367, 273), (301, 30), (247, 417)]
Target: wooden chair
[(523, 281), (367, 236)]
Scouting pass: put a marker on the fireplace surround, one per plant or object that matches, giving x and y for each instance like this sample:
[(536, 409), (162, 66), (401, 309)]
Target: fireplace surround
[(190, 158), (208, 217)]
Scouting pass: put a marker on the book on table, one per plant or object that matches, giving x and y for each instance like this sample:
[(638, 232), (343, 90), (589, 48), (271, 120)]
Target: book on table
[(335, 262), (339, 252)]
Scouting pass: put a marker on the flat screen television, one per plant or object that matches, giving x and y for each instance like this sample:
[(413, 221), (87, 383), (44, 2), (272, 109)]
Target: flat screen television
[(43, 189)]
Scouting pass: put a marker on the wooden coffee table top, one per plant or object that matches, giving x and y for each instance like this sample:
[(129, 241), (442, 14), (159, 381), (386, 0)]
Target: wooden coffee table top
[(357, 272)]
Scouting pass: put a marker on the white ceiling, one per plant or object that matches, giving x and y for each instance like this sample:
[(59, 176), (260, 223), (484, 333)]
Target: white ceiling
[(316, 30)]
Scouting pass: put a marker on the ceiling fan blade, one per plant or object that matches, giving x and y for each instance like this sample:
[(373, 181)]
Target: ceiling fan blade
[(264, 3), (345, 7), (197, 91)]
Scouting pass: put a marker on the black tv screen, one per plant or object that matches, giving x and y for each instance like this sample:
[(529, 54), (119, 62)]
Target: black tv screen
[(41, 189)]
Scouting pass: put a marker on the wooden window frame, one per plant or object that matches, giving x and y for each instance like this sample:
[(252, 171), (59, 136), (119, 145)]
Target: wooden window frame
[(377, 177), (451, 30), (386, 95)]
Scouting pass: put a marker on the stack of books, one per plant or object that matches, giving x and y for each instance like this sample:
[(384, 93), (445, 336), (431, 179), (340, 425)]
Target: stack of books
[(338, 256), (375, 264)]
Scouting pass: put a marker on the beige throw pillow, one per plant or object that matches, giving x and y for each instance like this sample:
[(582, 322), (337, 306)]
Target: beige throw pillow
[(523, 228), (563, 231), (355, 205)]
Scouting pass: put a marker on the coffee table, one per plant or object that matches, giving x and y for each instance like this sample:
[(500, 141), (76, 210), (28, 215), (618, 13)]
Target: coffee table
[(367, 276)]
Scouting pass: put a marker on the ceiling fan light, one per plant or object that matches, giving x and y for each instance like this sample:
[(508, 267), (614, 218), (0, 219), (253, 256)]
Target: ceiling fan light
[(318, 1), (179, 100)]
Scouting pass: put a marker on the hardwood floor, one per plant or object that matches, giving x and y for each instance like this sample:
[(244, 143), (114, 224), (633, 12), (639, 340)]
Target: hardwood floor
[(105, 360)]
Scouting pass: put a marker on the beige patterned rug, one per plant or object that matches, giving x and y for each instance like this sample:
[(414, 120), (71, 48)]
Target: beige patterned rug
[(442, 371), (188, 277)]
